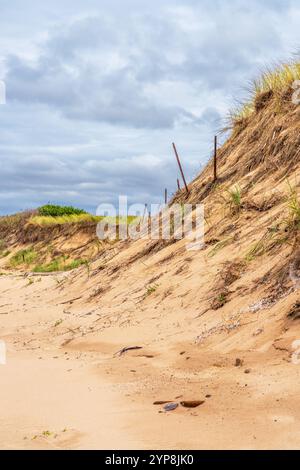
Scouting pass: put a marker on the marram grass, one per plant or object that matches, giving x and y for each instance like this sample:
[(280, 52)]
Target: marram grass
[(272, 80), (77, 219)]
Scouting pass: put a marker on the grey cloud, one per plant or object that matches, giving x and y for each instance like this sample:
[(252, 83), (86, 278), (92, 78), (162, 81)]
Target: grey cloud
[(96, 94)]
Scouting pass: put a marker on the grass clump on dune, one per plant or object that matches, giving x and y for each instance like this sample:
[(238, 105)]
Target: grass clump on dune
[(25, 257), (59, 264), (277, 80), (273, 82), (59, 215)]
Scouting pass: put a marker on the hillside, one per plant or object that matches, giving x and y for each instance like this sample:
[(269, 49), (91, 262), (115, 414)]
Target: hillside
[(29, 242), (217, 325)]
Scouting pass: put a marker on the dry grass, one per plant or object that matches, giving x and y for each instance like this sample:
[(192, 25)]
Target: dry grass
[(293, 203), (273, 82), (277, 80), (76, 219), (62, 220)]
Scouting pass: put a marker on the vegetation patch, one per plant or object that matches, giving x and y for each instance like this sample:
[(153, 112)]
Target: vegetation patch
[(272, 83), (235, 199), (219, 245), (42, 220), (293, 203), (23, 257), (63, 219), (57, 211), (59, 264), (220, 300), (151, 289)]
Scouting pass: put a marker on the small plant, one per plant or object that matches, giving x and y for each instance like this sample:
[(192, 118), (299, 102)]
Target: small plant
[(220, 300), (59, 322), (151, 289), (235, 199)]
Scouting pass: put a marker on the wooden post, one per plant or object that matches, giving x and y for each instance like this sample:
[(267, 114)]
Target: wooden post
[(215, 159), (180, 168), (166, 196)]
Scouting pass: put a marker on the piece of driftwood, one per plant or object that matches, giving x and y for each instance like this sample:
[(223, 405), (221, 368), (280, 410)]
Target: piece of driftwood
[(192, 404), (124, 350), (70, 301)]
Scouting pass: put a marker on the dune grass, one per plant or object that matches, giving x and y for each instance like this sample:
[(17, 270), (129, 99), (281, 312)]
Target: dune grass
[(77, 219), (275, 80), (59, 264), (43, 220), (23, 257), (293, 203), (235, 198)]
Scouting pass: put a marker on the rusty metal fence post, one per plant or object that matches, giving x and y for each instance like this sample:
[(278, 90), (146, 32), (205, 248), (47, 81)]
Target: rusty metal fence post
[(180, 168)]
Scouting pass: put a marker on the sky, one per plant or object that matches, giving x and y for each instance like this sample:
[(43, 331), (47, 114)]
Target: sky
[(97, 91)]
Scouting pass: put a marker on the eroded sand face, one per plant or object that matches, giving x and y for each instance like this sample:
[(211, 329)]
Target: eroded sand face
[(63, 387)]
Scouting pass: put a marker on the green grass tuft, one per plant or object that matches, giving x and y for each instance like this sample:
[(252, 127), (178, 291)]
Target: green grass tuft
[(235, 198)]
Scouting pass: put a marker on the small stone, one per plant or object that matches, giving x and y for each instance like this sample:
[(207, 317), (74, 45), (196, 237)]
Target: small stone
[(258, 332), (171, 406), (238, 362)]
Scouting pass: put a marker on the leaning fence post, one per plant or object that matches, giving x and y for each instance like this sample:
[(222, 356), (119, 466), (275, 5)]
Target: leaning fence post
[(180, 168), (215, 158)]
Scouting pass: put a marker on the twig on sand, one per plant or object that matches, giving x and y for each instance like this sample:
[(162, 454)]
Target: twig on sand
[(70, 301), (124, 350)]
